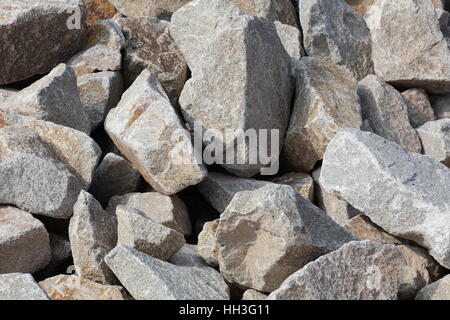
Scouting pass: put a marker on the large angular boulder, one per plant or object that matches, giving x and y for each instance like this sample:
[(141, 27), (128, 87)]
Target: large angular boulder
[(20, 286), (144, 126), (435, 137), (30, 28), (404, 193), (439, 290), (162, 9)]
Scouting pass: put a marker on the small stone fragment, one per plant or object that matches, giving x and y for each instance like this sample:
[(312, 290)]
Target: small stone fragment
[(439, 290), (435, 137), (254, 295), (419, 107), (20, 286), (301, 182), (97, 58)]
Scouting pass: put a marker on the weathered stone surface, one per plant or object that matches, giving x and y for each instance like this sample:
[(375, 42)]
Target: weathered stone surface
[(53, 98), (97, 58), (99, 93), (147, 278), (147, 139), (404, 193), (301, 182), (105, 32), (6, 93), (33, 179), (387, 113), (71, 287), (334, 32), (419, 107), (151, 47), (397, 55), (20, 286), (92, 233), (435, 137), (169, 211), (361, 270), (99, 10), (273, 10), (439, 290), (441, 105), (292, 40), (219, 189), (360, 6), (24, 242), (325, 103), (162, 9), (140, 232), (363, 229), (207, 244), (275, 217), (253, 295), (29, 28), (114, 176)]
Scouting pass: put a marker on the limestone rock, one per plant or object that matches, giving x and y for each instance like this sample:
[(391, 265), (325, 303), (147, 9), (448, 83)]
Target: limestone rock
[(162, 9), (387, 113), (361, 270), (439, 290), (114, 176), (419, 107), (292, 40), (301, 182), (275, 217), (105, 32), (143, 127), (92, 234), (435, 137), (273, 10), (441, 105), (97, 58), (71, 287), (253, 295), (99, 10), (33, 179), (29, 28), (404, 193), (363, 229), (334, 32), (207, 244), (20, 286), (325, 103), (395, 45), (169, 211), (99, 93), (24, 242), (148, 278)]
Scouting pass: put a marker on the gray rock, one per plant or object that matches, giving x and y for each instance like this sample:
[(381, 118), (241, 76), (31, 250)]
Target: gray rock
[(441, 105), (325, 103), (292, 40), (147, 278), (334, 32), (29, 28), (162, 9), (33, 179), (207, 244), (419, 107), (147, 139), (92, 233), (273, 10), (24, 242), (387, 113), (97, 58), (442, 18), (301, 182), (435, 137), (275, 217), (361, 270), (439, 290), (404, 193), (105, 32), (20, 286)]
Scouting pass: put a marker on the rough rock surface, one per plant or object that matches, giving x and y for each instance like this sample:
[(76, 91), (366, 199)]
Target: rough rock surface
[(20, 286), (207, 244), (147, 139), (419, 107), (439, 290), (360, 6), (325, 103), (92, 234), (292, 40), (253, 295), (275, 217), (30, 28), (106, 32), (97, 58), (162, 9), (363, 229), (24, 242), (273, 10), (441, 105), (147, 278), (301, 182), (362, 270), (99, 10), (404, 193), (334, 32), (435, 137), (387, 113), (33, 179)]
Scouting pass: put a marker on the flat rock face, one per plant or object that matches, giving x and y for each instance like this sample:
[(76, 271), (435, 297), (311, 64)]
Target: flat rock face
[(334, 32), (147, 139), (435, 137), (362, 270), (97, 58), (441, 105), (325, 103), (150, 46), (207, 244), (419, 107), (29, 28), (363, 229), (33, 179), (24, 242), (292, 40), (92, 234), (273, 10), (20, 286), (395, 27), (140, 232), (147, 278), (267, 234), (404, 193), (53, 98), (162, 9), (301, 182), (71, 287), (99, 10), (387, 113), (169, 211), (439, 290)]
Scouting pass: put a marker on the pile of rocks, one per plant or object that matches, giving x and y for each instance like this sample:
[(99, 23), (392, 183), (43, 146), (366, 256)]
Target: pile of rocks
[(111, 111)]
